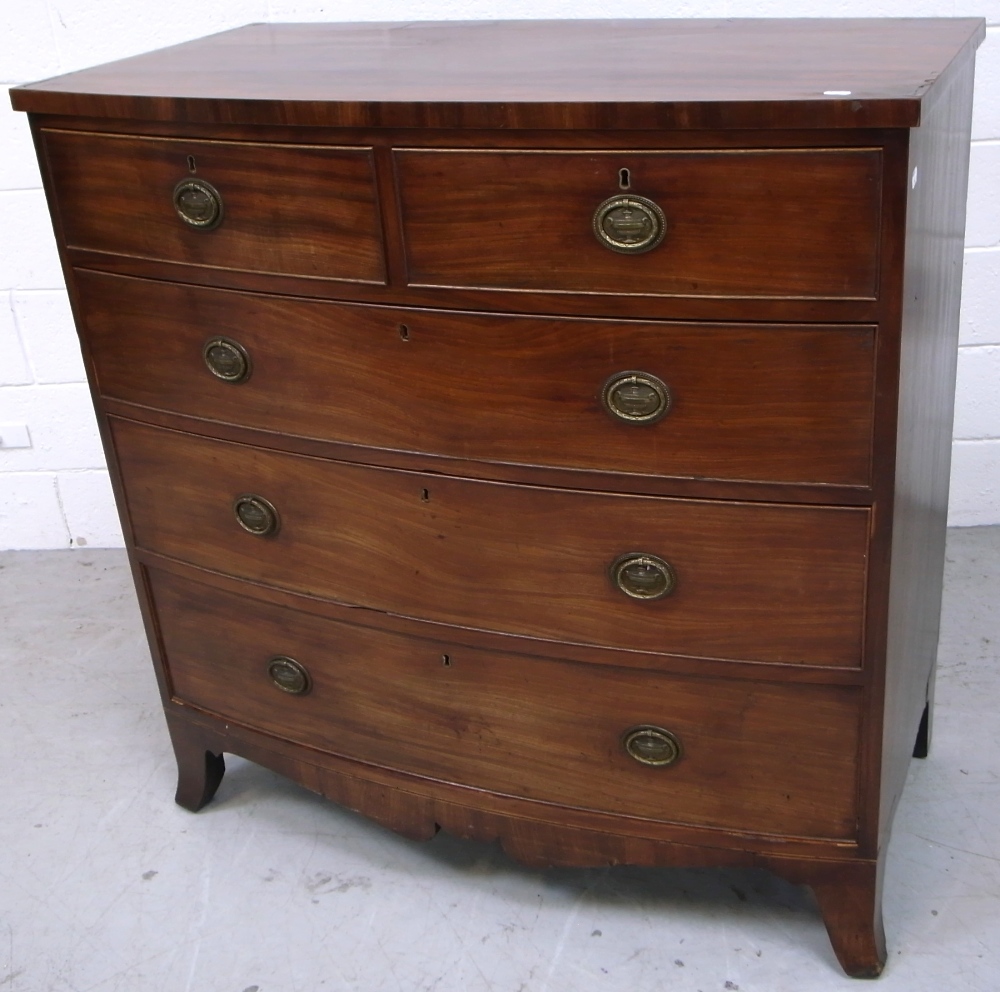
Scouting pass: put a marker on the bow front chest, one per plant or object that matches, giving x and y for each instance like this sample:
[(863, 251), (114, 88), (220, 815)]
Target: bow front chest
[(531, 430)]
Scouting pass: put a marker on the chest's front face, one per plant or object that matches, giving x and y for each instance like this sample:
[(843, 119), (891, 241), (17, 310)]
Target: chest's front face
[(538, 469)]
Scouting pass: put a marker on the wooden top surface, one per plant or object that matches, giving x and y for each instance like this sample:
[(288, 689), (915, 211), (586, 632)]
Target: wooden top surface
[(537, 74)]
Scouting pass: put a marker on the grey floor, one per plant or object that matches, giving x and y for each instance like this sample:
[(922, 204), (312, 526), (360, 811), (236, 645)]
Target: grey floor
[(106, 885)]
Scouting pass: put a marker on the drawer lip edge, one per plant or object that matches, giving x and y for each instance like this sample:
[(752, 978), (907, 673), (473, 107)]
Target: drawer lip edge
[(844, 842), (820, 493), (641, 115), (384, 282), (500, 641), (617, 294)]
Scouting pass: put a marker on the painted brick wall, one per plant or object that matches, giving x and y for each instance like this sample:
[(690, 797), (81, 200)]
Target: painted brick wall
[(55, 493)]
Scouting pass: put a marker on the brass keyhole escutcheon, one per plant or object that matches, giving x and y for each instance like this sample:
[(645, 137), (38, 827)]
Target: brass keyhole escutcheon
[(636, 397), (256, 515), (629, 224), (226, 359), (642, 576), (289, 676), (198, 204), (652, 746)]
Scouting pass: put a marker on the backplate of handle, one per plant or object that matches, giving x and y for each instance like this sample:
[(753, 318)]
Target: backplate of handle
[(226, 359), (289, 676), (256, 515), (643, 576), (198, 204), (629, 224), (652, 746), (636, 397)]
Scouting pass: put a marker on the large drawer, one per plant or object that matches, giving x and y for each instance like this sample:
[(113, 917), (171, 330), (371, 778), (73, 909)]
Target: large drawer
[(289, 209), (755, 757), (774, 583), (784, 223), (774, 403)]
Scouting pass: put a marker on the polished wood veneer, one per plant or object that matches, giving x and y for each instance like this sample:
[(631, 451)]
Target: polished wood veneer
[(559, 723), (761, 582), (390, 348), (774, 403), (740, 222), (573, 75), (320, 220)]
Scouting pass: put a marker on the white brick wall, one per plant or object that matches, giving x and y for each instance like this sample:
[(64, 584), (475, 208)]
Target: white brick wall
[(56, 493)]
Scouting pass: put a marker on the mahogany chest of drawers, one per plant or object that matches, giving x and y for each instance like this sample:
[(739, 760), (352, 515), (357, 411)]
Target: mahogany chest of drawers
[(531, 430)]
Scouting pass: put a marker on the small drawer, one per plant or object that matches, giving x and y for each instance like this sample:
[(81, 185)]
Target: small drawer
[(291, 209), (778, 223), (740, 581), (754, 757), (789, 403)]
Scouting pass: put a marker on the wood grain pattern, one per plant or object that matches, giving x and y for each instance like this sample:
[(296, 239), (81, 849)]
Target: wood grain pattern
[(850, 899), (848, 888), (623, 74), (796, 653), (780, 403), (417, 807), (529, 302), (931, 297), (756, 581), (292, 209), (744, 670), (739, 223), (545, 730)]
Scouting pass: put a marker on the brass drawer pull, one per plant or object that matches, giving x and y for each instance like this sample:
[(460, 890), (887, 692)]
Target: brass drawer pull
[(289, 676), (636, 397), (198, 203), (652, 746), (629, 224), (643, 576), (226, 359), (256, 515)]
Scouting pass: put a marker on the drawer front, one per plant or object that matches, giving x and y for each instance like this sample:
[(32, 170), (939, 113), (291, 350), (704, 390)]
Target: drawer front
[(801, 223), (289, 209), (787, 404), (752, 581), (754, 756)]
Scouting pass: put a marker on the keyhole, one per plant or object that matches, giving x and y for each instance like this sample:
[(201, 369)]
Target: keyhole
[(404, 332), (446, 660), (425, 495), (624, 178), (192, 167)]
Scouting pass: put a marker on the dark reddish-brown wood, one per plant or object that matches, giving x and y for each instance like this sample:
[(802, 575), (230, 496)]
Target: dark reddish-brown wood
[(850, 899), (740, 222), (623, 74), (774, 403), (545, 730), (757, 581), (805, 300), (291, 209), (932, 272), (199, 768), (509, 643)]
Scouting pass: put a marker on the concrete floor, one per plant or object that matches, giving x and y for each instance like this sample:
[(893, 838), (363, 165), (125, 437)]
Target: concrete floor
[(106, 885)]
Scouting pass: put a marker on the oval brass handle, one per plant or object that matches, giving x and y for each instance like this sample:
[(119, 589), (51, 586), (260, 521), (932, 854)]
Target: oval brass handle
[(643, 576), (289, 676), (256, 515), (629, 224), (226, 359), (652, 746), (198, 204), (636, 397)]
